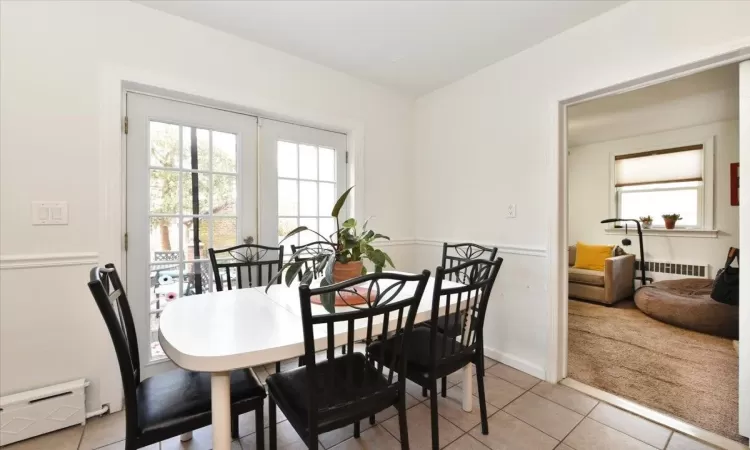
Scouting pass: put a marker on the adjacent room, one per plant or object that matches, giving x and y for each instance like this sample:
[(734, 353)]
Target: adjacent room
[(645, 156), (240, 225)]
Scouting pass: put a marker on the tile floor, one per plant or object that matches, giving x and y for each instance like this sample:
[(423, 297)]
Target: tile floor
[(524, 413)]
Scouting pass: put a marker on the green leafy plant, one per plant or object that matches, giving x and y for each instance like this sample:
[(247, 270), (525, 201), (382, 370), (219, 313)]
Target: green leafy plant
[(671, 216), (647, 219), (347, 244)]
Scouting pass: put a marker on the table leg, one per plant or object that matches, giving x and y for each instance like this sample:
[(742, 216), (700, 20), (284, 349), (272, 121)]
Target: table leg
[(220, 411), (468, 400)]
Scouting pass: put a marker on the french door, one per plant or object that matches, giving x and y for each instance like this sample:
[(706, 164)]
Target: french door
[(196, 179), (191, 185)]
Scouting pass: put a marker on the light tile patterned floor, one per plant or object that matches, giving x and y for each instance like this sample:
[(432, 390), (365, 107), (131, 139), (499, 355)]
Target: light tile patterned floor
[(524, 413)]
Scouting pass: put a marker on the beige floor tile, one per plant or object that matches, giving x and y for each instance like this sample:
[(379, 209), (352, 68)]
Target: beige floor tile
[(121, 446), (66, 439), (679, 441), (466, 442), (563, 447), (507, 373), (202, 440), (247, 420), (375, 438), (632, 425), (335, 437), (420, 430), (498, 392), (509, 433), (544, 415), (451, 408), (489, 362), (105, 430), (286, 439), (565, 396), (592, 435)]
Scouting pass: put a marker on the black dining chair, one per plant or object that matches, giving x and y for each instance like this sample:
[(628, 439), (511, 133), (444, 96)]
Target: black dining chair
[(173, 402), (342, 390), (431, 354)]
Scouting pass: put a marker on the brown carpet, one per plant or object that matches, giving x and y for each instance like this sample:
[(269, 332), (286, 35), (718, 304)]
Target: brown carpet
[(687, 374)]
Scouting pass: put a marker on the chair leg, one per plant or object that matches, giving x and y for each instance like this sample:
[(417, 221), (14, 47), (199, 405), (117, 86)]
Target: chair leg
[(312, 441), (402, 428), (301, 361), (482, 403), (434, 414), (278, 366), (271, 423), (235, 426), (260, 432), (424, 391), (372, 420), (343, 349), (356, 429), (444, 386)]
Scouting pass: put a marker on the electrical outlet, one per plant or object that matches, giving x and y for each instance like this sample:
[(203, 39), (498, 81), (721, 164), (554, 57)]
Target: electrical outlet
[(511, 211)]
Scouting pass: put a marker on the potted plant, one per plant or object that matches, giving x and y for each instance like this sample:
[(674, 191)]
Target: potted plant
[(342, 260), (670, 220), (646, 222)]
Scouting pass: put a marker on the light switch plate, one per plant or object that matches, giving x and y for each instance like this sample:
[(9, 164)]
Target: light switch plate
[(49, 213)]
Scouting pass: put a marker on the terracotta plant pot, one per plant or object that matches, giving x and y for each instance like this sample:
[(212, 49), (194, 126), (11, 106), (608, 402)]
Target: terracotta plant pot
[(343, 272), (669, 224)]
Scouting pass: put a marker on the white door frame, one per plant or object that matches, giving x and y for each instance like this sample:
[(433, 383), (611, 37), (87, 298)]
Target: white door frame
[(557, 355)]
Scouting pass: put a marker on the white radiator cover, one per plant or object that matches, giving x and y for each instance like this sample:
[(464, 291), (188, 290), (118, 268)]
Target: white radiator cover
[(31, 413)]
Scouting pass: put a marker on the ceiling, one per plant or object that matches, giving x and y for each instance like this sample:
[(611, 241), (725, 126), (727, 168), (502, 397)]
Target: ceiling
[(412, 46), (705, 97)]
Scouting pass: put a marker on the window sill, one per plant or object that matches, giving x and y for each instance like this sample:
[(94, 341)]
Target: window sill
[(678, 232)]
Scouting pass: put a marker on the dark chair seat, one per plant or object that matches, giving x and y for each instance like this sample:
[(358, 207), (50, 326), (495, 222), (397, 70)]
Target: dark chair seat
[(346, 380), (180, 396)]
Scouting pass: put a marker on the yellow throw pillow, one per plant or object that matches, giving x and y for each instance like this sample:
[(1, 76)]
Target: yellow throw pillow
[(591, 257)]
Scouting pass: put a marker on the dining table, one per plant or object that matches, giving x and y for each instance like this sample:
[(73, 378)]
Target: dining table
[(218, 332)]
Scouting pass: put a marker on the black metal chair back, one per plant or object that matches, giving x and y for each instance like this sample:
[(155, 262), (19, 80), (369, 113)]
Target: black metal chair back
[(456, 254), (310, 255), (246, 265), (109, 294), (391, 306), (469, 305)]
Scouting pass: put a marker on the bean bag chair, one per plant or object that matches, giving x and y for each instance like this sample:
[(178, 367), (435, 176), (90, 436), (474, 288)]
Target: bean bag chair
[(687, 303)]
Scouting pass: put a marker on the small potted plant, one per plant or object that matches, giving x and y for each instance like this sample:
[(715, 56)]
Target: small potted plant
[(646, 222), (346, 261), (670, 220)]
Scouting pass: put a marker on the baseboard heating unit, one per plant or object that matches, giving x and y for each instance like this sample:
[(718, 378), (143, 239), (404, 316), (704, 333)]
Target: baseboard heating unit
[(663, 270), (39, 411)]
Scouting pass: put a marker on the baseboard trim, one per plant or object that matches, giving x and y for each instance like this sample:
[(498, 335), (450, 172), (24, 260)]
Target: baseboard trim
[(515, 362), (655, 416), (394, 243), (34, 261), (501, 248)]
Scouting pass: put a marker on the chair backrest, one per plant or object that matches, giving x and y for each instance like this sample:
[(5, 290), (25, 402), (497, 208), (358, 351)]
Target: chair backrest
[(198, 283), (456, 254), (110, 297), (308, 254), (469, 304), (246, 265), (391, 306)]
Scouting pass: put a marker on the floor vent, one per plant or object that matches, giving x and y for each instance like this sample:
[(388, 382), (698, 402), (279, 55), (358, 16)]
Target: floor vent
[(680, 270), (31, 413)]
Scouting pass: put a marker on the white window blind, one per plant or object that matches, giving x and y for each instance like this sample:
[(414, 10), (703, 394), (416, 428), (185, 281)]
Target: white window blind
[(674, 165)]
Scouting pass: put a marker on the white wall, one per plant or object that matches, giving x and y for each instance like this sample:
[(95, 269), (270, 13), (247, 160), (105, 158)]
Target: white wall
[(55, 58), (589, 188), (491, 139)]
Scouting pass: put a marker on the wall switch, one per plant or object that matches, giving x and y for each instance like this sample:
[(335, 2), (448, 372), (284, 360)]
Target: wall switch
[(511, 211), (49, 213)]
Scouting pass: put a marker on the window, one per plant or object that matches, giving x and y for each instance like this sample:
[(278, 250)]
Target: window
[(665, 181)]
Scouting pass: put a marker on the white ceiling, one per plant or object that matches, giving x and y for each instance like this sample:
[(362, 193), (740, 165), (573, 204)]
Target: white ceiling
[(705, 97), (412, 46)]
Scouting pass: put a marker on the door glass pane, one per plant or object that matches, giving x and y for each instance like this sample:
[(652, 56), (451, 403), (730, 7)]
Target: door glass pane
[(189, 196), (306, 236), (196, 278), (165, 144), (287, 198), (308, 201), (285, 226), (195, 240), (199, 161), (327, 164), (287, 159), (164, 239), (163, 191), (225, 232), (327, 227), (225, 195), (327, 198), (308, 162), (224, 152)]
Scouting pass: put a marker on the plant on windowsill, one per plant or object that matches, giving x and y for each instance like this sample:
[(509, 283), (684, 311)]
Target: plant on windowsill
[(670, 220), (339, 261), (646, 222)]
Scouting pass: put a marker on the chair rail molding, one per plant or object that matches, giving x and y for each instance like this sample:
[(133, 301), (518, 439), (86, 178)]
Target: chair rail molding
[(39, 260), (539, 252)]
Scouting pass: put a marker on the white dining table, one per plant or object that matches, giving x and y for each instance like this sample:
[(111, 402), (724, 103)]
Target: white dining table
[(219, 332)]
